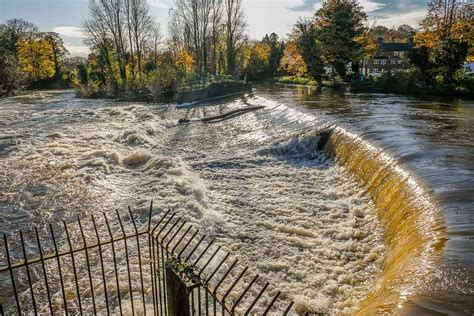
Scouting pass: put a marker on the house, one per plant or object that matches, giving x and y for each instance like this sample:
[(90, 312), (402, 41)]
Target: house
[(390, 57)]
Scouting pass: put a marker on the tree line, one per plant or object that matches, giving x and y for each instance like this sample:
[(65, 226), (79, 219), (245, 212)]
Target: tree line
[(207, 39)]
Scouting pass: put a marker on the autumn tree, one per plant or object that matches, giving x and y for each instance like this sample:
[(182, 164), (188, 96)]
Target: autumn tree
[(447, 33), (36, 58), (340, 23), (292, 61), (257, 59)]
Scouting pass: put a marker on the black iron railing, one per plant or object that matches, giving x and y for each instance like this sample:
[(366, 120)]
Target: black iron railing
[(121, 265)]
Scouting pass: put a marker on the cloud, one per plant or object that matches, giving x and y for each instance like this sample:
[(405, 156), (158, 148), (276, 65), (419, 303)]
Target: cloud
[(81, 51), (159, 4), (412, 18), (69, 31)]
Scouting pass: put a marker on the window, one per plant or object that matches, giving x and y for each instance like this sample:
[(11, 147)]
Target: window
[(393, 61), (376, 70), (376, 61), (383, 62), (395, 53)]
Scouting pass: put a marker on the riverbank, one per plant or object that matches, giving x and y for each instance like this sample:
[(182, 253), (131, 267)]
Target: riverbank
[(409, 83), (406, 83)]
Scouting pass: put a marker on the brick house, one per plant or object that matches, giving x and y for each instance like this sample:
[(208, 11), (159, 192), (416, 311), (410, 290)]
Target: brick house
[(390, 57)]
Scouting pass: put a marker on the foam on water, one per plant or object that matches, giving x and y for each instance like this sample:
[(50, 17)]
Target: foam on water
[(257, 183)]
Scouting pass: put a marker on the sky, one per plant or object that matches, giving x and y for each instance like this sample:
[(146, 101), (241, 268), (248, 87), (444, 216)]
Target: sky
[(263, 16)]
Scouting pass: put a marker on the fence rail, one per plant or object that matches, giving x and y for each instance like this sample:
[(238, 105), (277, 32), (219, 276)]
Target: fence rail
[(125, 264)]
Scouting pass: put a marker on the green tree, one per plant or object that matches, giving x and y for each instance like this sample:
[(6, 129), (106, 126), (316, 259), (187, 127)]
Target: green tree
[(310, 47), (420, 58), (340, 25), (276, 53)]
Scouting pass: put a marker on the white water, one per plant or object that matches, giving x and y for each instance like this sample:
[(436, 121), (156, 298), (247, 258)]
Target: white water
[(254, 182)]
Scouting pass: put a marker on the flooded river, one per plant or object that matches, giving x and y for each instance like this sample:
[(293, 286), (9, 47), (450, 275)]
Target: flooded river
[(344, 203)]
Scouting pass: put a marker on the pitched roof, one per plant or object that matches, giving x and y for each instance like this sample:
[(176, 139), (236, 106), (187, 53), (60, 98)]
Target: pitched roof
[(394, 47)]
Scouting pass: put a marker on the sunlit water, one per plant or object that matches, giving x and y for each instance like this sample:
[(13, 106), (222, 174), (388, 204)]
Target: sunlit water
[(258, 182)]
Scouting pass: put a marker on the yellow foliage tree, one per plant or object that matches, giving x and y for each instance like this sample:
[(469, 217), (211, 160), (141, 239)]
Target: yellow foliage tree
[(185, 60), (35, 57), (292, 61), (256, 58)]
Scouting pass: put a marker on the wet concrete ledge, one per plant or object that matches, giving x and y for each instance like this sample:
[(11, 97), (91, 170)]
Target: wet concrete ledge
[(213, 91)]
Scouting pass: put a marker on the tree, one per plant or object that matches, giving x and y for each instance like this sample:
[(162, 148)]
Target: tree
[(340, 23), (106, 24), (292, 62), (12, 30), (36, 58), (257, 59), (447, 34), (276, 53), (59, 52), (311, 48), (235, 27), (11, 76)]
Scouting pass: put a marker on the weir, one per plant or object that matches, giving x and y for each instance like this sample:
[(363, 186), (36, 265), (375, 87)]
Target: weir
[(413, 226)]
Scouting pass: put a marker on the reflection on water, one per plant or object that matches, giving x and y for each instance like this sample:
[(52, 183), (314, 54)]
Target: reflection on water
[(433, 140)]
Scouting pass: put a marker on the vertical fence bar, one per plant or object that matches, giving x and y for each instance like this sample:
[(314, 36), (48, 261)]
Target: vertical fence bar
[(195, 247), (11, 274), (269, 307), (163, 279), (151, 259), (73, 267), (115, 262), (237, 302), (87, 264), (30, 283), (256, 299), (288, 308), (101, 259), (58, 261), (48, 292), (139, 258), (188, 243), (127, 260), (231, 288)]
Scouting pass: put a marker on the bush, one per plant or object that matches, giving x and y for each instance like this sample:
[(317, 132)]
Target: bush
[(296, 80)]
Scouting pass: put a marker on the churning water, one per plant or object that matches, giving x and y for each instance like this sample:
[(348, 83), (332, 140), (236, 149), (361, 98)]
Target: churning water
[(337, 222)]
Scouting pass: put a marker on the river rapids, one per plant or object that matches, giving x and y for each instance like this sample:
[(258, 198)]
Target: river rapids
[(257, 183)]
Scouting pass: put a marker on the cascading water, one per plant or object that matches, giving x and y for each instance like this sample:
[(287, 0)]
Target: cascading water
[(335, 222)]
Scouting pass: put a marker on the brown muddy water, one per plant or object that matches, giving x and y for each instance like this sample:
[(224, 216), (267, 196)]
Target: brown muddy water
[(355, 203)]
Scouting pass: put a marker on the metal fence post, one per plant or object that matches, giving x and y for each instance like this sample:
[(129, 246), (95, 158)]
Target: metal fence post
[(178, 303), (180, 282)]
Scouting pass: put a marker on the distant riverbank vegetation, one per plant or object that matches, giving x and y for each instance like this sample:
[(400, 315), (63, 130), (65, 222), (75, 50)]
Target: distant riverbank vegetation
[(330, 48), (206, 42)]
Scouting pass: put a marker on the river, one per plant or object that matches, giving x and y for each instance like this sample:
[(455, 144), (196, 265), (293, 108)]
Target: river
[(389, 230)]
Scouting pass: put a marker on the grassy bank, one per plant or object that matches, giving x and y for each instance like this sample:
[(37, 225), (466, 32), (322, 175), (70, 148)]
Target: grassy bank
[(296, 80)]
